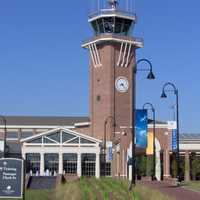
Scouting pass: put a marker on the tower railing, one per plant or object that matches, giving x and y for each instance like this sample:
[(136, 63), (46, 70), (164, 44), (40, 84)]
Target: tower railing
[(111, 12)]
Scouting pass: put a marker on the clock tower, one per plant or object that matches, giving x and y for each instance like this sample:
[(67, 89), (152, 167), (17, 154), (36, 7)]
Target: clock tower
[(112, 57)]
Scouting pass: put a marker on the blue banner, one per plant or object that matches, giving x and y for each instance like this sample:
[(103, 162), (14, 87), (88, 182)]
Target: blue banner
[(110, 154), (174, 139), (141, 128)]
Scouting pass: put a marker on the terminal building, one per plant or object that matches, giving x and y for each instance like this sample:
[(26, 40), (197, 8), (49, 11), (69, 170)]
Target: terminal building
[(100, 144)]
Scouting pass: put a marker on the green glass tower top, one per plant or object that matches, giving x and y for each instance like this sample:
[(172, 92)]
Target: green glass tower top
[(112, 18)]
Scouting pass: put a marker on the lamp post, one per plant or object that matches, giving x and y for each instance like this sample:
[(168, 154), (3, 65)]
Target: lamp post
[(105, 136), (151, 77), (154, 137), (164, 95), (5, 133)]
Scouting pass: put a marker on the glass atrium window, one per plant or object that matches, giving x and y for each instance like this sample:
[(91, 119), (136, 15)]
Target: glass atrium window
[(26, 134), (54, 136), (33, 164), (88, 164), (51, 164), (85, 141), (70, 163), (67, 136), (36, 141)]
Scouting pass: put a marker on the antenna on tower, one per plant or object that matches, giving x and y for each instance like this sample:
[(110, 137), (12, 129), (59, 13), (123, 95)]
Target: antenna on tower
[(113, 3)]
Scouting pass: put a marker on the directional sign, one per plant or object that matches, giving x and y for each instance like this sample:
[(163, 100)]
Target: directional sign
[(11, 178)]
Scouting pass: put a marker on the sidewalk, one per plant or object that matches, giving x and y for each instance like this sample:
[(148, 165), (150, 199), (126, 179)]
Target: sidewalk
[(179, 193)]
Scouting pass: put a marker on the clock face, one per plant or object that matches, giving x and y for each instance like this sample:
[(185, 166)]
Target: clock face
[(122, 84)]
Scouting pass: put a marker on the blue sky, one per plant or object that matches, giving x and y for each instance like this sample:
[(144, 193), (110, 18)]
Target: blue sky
[(44, 70)]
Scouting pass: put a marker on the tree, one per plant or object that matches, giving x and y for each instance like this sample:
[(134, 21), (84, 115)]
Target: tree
[(141, 166), (149, 166), (195, 167), (174, 168)]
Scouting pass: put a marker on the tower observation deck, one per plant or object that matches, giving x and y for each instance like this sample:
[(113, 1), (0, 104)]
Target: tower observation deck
[(110, 18), (113, 18)]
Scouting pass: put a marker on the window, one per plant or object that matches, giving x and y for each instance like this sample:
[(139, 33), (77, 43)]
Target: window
[(36, 141), (67, 136), (33, 164), (54, 136), (51, 164), (74, 141), (47, 141), (88, 162), (85, 141), (12, 135), (105, 167), (70, 163), (98, 98), (26, 134)]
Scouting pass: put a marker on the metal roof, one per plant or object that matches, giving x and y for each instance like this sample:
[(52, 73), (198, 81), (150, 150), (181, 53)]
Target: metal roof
[(51, 120), (190, 136), (44, 120)]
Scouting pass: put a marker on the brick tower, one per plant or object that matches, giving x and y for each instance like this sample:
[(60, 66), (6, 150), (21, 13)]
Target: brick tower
[(112, 57)]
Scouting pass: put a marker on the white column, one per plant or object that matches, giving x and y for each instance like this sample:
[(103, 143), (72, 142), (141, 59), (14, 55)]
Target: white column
[(23, 153), (158, 167), (79, 173), (60, 170), (41, 164), (97, 171)]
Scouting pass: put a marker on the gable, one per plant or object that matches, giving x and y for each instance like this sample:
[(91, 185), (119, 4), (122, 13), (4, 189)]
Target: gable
[(61, 136)]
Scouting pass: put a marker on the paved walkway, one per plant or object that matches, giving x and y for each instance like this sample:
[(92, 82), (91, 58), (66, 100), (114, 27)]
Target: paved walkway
[(179, 193)]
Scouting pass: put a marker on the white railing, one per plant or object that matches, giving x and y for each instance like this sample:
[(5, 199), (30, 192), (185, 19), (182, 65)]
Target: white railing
[(112, 11)]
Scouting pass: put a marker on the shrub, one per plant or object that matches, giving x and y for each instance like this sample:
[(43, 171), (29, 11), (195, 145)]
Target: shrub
[(149, 166), (174, 168), (195, 167), (141, 165)]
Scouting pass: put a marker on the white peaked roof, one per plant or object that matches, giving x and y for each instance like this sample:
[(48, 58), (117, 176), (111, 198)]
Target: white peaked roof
[(61, 129)]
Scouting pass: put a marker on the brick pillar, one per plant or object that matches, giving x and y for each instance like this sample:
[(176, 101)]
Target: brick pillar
[(187, 166), (166, 163)]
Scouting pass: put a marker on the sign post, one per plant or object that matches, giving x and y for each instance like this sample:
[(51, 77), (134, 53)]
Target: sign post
[(11, 178)]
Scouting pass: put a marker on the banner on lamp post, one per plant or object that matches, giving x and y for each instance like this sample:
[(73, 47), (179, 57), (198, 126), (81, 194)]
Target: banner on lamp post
[(141, 128), (173, 127), (174, 139)]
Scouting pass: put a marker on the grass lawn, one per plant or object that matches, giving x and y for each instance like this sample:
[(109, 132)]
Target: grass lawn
[(93, 189), (192, 185)]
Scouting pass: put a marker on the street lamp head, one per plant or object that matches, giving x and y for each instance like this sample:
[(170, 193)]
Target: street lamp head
[(163, 95), (151, 75)]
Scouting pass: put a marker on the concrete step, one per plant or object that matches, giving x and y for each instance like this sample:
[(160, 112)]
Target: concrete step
[(42, 182)]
